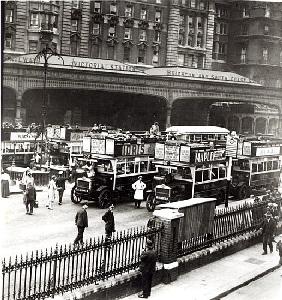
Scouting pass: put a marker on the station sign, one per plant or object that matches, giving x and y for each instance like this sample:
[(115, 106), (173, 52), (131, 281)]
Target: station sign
[(207, 155)]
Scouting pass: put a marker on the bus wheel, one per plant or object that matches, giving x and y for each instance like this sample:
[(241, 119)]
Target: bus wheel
[(104, 199), (243, 192), (75, 199), (150, 202), (220, 198)]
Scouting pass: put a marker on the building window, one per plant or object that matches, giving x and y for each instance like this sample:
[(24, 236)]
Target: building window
[(202, 5), (112, 31), (127, 33), (74, 25), (95, 51), (96, 29), (192, 3), (157, 37), (54, 47), (244, 29), (32, 46), (74, 48), (243, 55), (278, 83), (200, 23), (128, 11), (75, 3), (126, 54), (245, 12), (190, 40), (199, 39), (192, 61), (222, 48), (181, 39), (141, 56), (266, 29), (34, 19), (143, 14), (142, 35), (158, 1), (265, 55), (113, 9), (155, 60), (158, 16), (216, 28), (267, 12), (111, 52), (9, 15), (180, 59), (182, 21), (223, 28), (97, 7), (280, 57), (8, 41)]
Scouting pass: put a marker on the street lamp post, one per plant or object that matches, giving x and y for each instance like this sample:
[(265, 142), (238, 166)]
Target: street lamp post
[(46, 53)]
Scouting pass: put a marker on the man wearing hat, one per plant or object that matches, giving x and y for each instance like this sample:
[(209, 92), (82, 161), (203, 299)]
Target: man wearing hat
[(109, 220), (147, 268), (268, 227), (139, 187), (61, 186), (81, 221)]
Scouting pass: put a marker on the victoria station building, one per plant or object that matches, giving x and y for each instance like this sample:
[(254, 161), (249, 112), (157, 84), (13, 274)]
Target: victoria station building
[(129, 63)]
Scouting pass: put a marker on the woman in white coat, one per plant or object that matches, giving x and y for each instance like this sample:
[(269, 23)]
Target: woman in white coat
[(52, 188), (139, 187)]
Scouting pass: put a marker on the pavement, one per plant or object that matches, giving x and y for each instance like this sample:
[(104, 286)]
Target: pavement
[(219, 278)]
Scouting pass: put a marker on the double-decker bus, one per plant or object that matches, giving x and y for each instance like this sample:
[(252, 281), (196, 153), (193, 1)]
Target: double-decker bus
[(257, 166), (116, 164), (189, 169)]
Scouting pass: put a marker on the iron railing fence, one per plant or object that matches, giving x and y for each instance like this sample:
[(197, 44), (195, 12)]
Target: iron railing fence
[(228, 223), (43, 274)]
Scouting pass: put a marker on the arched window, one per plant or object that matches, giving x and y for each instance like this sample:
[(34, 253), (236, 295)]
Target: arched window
[(247, 125), (260, 126)]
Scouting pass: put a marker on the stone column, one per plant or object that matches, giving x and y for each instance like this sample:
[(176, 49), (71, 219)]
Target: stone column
[(267, 126), (240, 124), (168, 114), (196, 31), (18, 118), (204, 41), (169, 242), (186, 30), (172, 35)]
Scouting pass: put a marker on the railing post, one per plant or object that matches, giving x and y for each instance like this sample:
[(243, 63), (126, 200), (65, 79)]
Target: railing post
[(54, 276), (169, 242)]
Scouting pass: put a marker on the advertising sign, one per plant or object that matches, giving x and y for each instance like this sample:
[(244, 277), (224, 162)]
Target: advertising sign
[(23, 136), (98, 146), (159, 151), (185, 154), (206, 155), (172, 152), (231, 146), (265, 151), (247, 149), (56, 132), (76, 136), (86, 144)]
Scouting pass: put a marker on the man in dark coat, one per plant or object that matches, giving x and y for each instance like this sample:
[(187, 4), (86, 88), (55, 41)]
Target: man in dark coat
[(30, 195), (81, 221), (268, 227), (109, 220), (61, 186), (147, 268)]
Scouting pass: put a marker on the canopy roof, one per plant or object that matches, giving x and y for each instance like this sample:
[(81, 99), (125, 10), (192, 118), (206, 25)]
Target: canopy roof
[(197, 130)]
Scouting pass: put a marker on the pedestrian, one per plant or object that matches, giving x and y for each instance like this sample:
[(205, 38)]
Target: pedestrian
[(61, 186), (5, 184), (81, 221), (151, 225), (139, 187), (30, 198), (279, 249), (109, 220), (51, 192), (268, 227), (147, 268)]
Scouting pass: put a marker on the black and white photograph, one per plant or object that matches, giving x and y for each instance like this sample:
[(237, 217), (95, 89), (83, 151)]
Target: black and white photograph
[(141, 149)]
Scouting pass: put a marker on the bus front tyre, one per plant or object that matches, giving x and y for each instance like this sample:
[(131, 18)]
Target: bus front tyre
[(150, 203)]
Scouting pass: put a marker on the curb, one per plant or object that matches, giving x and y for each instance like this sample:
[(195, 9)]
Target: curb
[(224, 294)]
